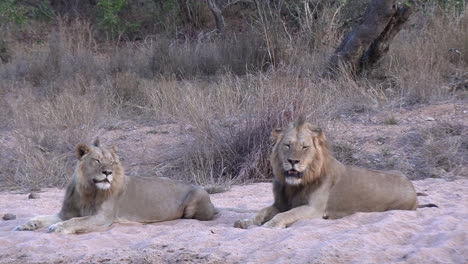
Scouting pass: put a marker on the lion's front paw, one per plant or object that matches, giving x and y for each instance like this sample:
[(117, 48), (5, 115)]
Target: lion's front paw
[(29, 226), (57, 228), (244, 223), (274, 224)]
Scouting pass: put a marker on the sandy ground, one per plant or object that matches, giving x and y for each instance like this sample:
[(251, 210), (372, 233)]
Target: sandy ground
[(428, 235)]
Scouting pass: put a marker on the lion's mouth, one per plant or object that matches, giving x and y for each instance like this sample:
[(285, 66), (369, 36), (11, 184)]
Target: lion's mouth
[(98, 181), (293, 173)]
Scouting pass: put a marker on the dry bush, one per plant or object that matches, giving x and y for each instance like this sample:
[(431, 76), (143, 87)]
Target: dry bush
[(131, 58), (234, 145), (53, 103), (125, 89), (68, 54), (239, 53), (56, 95), (36, 168), (439, 150), (345, 153), (420, 62), (5, 110), (445, 148), (46, 130)]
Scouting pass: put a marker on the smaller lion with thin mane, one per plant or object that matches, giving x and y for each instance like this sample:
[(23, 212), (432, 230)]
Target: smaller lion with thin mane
[(100, 194), (310, 183)]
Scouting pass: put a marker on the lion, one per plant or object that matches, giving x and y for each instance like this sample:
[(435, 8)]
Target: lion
[(310, 183), (100, 194)]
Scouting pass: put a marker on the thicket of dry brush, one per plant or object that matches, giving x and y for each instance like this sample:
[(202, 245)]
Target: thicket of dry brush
[(57, 94)]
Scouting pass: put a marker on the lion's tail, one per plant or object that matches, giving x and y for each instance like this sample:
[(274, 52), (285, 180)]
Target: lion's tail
[(427, 205)]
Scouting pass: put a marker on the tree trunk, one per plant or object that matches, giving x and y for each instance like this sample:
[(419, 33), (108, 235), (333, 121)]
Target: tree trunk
[(368, 42), (217, 13), (381, 45)]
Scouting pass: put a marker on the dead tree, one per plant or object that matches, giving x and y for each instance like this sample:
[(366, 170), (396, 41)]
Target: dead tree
[(218, 11), (218, 15), (368, 42)]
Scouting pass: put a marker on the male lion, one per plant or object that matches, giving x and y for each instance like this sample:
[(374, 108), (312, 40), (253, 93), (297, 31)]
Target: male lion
[(311, 183), (100, 194)]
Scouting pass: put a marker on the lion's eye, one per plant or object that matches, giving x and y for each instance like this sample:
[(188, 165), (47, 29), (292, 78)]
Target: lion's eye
[(286, 145), (98, 161), (305, 147)]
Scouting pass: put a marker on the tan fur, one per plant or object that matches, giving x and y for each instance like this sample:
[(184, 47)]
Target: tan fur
[(100, 194), (310, 183)]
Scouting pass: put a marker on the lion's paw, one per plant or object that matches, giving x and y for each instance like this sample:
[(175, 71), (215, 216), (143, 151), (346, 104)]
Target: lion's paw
[(274, 224), (244, 223), (29, 226), (57, 228)]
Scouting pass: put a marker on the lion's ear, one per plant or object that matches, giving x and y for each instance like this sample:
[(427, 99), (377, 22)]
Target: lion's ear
[(97, 142), (316, 131), (113, 150), (275, 133), (81, 150), (318, 136)]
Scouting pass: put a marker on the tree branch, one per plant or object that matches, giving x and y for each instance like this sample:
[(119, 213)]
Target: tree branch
[(368, 42), (217, 13)]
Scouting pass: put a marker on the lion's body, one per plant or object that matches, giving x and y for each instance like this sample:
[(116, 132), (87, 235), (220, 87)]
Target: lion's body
[(351, 190), (100, 194), (361, 190), (310, 183), (185, 201)]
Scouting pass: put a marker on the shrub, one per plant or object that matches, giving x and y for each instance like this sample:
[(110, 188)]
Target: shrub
[(110, 19)]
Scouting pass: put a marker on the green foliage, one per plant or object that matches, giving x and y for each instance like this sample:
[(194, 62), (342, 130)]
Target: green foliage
[(391, 120), (110, 18), (12, 12), (167, 15), (18, 12), (450, 5), (43, 12), (5, 55), (408, 3)]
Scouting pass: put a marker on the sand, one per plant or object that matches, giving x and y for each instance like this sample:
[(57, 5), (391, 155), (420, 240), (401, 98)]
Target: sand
[(428, 235)]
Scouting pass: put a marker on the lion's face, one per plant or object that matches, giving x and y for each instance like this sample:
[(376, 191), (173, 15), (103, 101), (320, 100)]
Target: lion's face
[(98, 165), (299, 151)]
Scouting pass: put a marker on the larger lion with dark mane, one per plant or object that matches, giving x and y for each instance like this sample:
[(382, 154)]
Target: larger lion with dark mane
[(310, 183), (100, 194)]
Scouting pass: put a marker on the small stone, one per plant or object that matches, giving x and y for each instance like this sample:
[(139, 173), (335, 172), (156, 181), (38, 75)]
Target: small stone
[(33, 196), (9, 217), (429, 118)]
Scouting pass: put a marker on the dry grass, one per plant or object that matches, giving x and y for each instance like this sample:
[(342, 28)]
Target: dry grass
[(421, 63), (445, 148), (239, 54), (236, 144), (56, 95), (46, 129), (438, 151)]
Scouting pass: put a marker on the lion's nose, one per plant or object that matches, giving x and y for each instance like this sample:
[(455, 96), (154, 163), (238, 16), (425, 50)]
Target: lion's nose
[(106, 172), (293, 162)]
